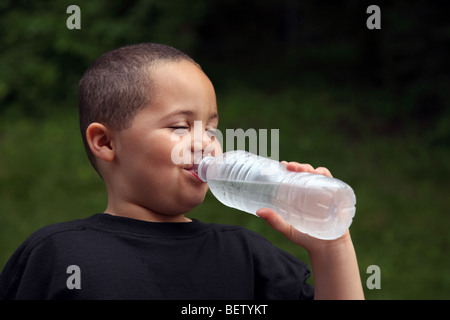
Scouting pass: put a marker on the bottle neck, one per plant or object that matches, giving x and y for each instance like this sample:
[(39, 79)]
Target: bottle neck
[(203, 167)]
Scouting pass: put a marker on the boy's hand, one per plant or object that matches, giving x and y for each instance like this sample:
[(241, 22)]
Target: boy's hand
[(299, 167), (334, 263), (279, 224)]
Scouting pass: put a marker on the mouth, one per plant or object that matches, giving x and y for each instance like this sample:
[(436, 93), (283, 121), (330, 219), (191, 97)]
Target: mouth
[(192, 169)]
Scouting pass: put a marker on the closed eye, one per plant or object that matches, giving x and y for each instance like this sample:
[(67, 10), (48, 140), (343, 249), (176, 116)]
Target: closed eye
[(211, 132), (180, 130)]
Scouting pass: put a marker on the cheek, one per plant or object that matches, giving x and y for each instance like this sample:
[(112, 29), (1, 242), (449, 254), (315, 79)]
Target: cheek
[(180, 150), (214, 148), (159, 149)]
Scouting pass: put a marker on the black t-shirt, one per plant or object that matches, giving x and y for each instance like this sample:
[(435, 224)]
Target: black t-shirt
[(110, 257)]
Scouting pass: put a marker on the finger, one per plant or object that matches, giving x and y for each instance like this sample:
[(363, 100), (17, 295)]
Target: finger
[(280, 225), (299, 167), (274, 220), (303, 167), (291, 166), (306, 167), (324, 171)]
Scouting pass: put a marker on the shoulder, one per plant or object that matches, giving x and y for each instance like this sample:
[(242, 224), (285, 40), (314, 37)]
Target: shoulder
[(35, 258), (277, 273), (46, 240), (53, 230)]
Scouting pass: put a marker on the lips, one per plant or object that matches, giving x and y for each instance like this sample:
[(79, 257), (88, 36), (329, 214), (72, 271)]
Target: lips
[(192, 169)]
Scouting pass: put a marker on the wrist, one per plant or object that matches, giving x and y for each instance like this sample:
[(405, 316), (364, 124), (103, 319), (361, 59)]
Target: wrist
[(335, 268), (317, 246)]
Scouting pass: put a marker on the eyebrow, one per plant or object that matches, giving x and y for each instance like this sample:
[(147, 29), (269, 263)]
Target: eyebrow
[(189, 113)]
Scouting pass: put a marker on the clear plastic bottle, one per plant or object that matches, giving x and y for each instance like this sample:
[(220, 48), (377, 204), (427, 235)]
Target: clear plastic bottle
[(320, 206)]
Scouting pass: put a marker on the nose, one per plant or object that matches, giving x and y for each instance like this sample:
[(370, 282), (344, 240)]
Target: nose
[(203, 142), (200, 138)]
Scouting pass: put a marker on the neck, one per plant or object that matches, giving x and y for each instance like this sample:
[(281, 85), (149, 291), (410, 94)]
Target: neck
[(130, 210)]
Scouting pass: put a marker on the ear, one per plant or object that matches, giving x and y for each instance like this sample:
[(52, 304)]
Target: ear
[(99, 139)]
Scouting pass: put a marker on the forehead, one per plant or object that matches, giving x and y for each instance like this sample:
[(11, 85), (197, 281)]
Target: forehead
[(181, 73), (181, 86)]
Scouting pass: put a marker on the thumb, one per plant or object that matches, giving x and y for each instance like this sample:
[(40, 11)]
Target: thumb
[(275, 221), (279, 224)]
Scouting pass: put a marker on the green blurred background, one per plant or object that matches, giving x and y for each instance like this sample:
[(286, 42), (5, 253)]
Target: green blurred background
[(371, 105)]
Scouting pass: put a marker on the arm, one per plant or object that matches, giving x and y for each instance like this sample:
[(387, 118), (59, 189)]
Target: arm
[(333, 262)]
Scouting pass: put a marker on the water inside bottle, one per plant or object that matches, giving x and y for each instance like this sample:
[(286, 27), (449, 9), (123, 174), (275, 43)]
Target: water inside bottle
[(248, 196)]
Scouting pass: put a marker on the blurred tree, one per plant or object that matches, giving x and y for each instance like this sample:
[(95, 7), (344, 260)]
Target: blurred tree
[(41, 60)]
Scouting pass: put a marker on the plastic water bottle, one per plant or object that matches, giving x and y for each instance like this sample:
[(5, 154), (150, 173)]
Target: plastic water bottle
[(320, 206)]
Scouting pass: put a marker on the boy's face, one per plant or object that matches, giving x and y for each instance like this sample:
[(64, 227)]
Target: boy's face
[(146, 174)]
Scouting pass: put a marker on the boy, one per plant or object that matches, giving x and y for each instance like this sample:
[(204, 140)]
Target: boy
[(133, 101)]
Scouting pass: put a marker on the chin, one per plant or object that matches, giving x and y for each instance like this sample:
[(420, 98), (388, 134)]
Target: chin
[(195, 201)]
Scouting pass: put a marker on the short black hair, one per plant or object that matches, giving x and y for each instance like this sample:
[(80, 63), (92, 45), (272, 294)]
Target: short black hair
[(118, 84)]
